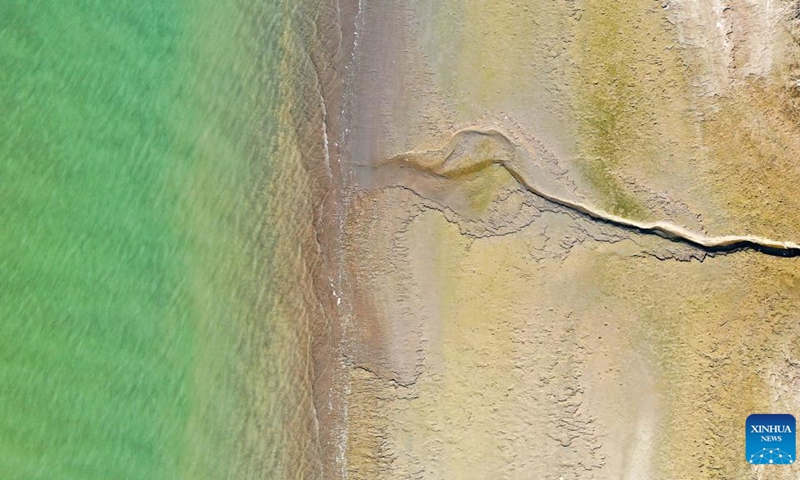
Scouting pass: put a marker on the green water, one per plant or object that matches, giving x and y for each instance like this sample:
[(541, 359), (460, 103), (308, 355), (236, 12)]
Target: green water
[(152, 291)]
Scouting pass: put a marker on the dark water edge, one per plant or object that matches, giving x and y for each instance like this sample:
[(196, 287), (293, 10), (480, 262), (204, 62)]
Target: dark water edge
[(161, 179)]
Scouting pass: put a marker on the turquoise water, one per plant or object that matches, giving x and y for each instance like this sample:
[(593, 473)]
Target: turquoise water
[(154, 287)]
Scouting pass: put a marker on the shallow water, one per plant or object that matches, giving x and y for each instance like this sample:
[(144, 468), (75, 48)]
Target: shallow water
[(155, 289)]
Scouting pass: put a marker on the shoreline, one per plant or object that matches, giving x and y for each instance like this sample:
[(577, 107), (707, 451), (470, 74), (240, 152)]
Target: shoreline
[(330, 58)]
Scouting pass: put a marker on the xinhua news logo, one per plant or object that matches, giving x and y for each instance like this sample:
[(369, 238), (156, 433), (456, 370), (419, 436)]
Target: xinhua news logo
[(770, 439)]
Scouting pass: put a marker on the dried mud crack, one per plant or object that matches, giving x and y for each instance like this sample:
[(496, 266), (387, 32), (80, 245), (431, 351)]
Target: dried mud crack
[(472, 151)]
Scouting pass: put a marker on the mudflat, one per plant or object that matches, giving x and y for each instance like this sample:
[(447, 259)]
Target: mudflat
[(567, 239)]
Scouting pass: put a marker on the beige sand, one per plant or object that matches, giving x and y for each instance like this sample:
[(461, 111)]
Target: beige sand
[(489, 331)]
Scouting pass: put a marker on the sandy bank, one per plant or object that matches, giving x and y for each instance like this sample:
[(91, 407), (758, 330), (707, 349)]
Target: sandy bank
[(494, 332)]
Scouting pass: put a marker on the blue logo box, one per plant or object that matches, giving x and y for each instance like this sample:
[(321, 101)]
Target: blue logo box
[(770, 439)]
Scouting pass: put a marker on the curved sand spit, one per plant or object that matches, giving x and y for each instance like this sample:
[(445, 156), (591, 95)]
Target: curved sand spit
[(472, 150)]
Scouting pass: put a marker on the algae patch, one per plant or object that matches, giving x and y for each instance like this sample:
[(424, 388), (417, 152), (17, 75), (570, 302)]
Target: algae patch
[(624, 94)]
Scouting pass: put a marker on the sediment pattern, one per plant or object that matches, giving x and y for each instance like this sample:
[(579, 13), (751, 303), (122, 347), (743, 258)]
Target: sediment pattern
[(473, 150)]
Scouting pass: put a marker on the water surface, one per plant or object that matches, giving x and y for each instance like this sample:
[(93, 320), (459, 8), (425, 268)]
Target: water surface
[(153, 208)]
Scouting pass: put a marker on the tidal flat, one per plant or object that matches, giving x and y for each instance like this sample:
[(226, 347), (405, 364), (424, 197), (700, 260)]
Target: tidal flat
[(498, 334)]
